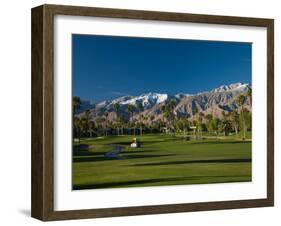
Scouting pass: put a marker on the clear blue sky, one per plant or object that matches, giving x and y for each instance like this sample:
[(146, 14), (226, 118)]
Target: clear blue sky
[(107, 67)]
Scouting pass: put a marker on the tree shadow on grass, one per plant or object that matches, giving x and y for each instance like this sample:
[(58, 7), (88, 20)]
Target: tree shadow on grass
[(139, 151), (220, 142), (82, 153), (127, 143), (103, 158), (78, 147), (87, 153), (159, 180), (194, 161), (84, 150)]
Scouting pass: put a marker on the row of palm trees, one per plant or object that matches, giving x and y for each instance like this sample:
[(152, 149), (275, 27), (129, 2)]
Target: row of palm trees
[(131, 109), (237, 121)]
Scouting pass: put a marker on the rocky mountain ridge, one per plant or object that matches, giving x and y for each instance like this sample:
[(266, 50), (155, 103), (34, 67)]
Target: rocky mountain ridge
[(215, 101)]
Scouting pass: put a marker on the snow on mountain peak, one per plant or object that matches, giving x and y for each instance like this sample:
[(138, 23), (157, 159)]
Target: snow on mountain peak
[(121, 99), (150, 99), (147, 99), (181, 95), (231, 87), (103, 103)]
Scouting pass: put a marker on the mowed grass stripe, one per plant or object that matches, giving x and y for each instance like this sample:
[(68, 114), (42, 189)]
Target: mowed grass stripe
[(161, 160)]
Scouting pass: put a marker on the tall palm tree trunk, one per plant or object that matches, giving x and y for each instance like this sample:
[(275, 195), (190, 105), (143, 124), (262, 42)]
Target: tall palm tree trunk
[(244, 123)]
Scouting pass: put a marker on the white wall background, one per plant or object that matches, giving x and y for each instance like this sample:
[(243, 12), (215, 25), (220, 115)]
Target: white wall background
[(15, 112)]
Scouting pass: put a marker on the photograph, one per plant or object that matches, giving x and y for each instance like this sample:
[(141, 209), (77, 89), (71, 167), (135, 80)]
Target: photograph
[(151, 111)]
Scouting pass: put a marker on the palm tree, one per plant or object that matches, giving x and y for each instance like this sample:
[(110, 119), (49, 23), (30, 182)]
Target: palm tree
[(163, 110), (76, 123), (196, 120), (151, 118), (131, 109), (99, 124), (223, 123), (140, 108), (92, 127), (248, 119), (168, 113), (122, 122), (87, 114), (105, 122), (214, 125), (166, 117), (194, 127), (86, 118), (145, 118), (182, 125), (200, 122), (172, 105), (241, 99), (76, 102), (196, 110), (249, 94), (116, 107), (225, 126), (234, 119), (84, 126), (133, 124), (141, 124), (208, 119)]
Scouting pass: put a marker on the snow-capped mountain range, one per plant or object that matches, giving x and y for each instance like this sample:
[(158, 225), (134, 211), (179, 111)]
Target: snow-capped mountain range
[(232, 87), (147, 100), (213, 102)]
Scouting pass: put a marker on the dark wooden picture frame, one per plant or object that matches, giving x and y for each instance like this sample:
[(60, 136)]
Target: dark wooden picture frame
[(42, 205)]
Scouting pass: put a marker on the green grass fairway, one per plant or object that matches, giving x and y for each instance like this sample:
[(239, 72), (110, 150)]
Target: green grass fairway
[(161, 160)]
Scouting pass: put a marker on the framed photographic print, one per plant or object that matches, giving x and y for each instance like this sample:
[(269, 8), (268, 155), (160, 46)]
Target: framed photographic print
[(141, 112)]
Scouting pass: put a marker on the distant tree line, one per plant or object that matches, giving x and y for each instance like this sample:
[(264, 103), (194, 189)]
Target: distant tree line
[(237, 122)]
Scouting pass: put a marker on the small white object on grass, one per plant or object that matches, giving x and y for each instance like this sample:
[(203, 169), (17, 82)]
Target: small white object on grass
[(134, 145)]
